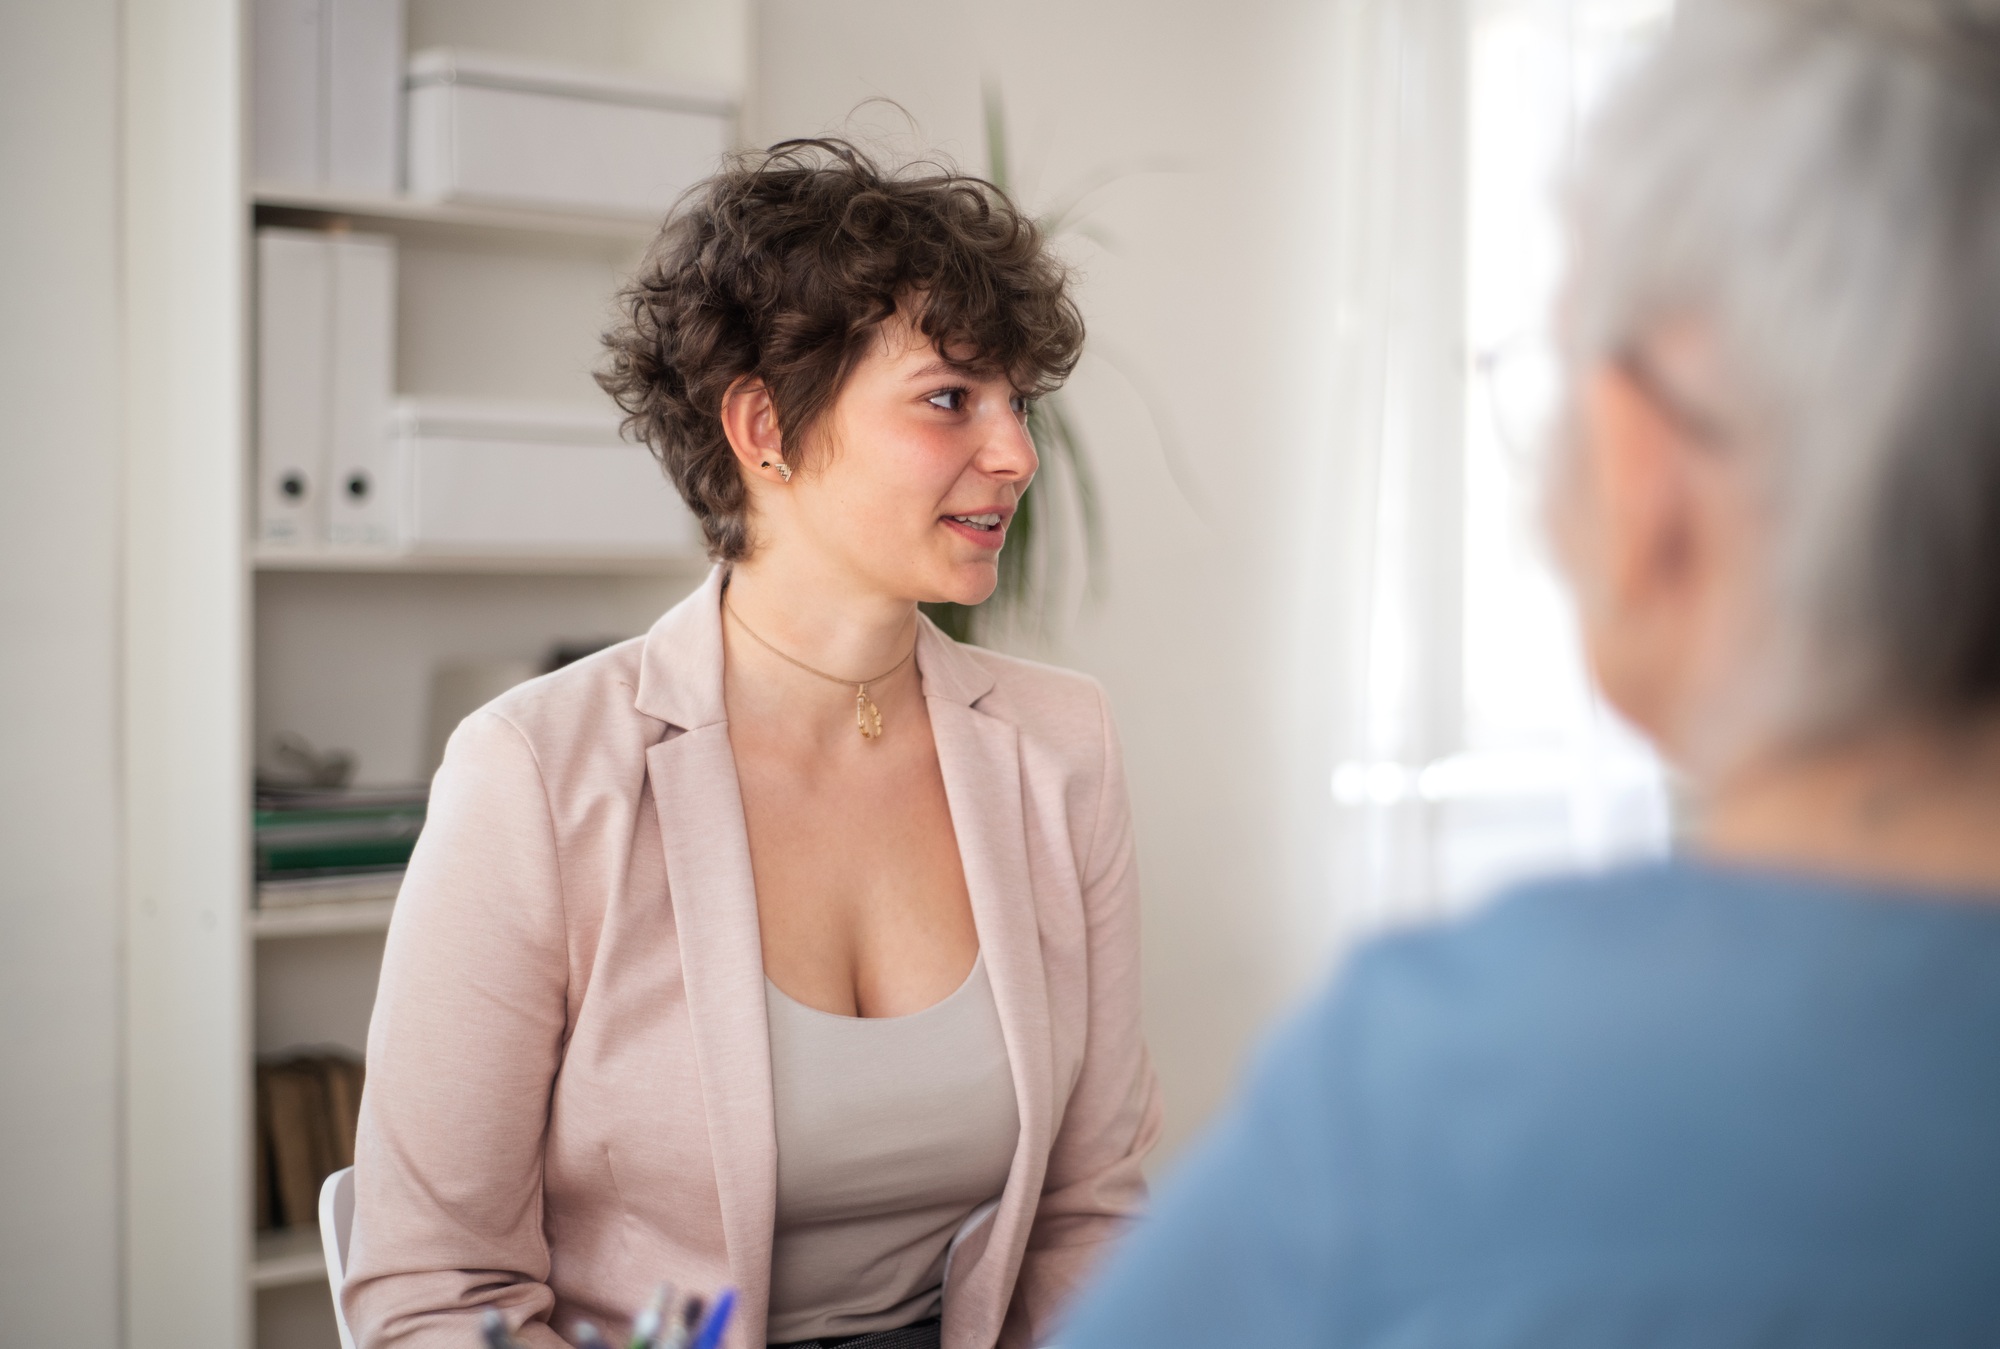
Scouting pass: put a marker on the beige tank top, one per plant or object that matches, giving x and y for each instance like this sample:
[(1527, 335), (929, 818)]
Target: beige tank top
[(891, 1131)]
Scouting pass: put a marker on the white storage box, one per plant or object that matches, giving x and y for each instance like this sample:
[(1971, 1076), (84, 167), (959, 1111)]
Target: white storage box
[(503, 131), (501, 480)]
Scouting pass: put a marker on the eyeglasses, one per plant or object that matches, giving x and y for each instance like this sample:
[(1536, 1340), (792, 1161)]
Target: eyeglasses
[(1522, 381), (1688, 418)]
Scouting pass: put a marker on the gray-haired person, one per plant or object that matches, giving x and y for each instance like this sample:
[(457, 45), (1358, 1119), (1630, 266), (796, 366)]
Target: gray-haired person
[(1752, 1096)]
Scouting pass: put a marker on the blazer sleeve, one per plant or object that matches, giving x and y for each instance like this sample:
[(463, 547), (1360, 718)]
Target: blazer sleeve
[(468, 1031), (1094, 1184)]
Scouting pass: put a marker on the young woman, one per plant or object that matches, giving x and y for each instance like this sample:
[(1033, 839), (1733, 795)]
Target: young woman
[(791, 946)]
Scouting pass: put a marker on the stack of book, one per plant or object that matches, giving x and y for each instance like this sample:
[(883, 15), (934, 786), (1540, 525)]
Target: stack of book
[(307, 1109), (319, 847)]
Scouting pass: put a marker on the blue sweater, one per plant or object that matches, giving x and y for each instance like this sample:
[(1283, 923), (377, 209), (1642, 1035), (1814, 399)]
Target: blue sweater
[(1677, 1105)]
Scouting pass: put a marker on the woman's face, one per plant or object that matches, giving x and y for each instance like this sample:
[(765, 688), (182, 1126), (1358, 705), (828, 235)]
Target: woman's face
[(1661, 537), (919, 470)]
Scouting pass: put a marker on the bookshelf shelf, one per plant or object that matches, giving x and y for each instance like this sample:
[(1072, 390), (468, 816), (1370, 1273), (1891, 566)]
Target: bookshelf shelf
[(497, 564), (401, 213), (288, 1256), (323, 920)]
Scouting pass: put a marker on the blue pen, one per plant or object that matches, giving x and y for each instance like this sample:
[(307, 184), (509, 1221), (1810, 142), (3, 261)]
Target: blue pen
[(718, 1321)]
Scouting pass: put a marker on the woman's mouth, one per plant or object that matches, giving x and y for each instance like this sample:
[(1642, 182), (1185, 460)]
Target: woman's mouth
[(988, 529)]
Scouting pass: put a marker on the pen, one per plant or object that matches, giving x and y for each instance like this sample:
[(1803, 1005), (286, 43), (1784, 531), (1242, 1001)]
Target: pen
[(493, 1328), (646, 1330), (718, 1321), (683, 1328)]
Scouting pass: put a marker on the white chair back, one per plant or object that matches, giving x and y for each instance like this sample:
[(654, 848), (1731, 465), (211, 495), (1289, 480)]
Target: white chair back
[(336, 1227)]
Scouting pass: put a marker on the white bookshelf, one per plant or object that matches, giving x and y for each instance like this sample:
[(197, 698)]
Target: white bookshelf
[(284, 1259), (186, 1173), (229, 643), (404, 213), (322, 920), (474, 564)]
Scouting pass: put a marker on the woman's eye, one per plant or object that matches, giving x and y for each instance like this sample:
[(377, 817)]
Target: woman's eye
[(948, 400), (1022, 404)]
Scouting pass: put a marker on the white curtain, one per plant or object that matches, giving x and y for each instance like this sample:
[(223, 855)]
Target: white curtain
[(1466, 744)]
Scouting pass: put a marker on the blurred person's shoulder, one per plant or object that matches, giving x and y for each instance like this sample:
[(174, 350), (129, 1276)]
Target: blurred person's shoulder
[(1643, 930), (1545, 947), (1642, 1081), (1645, 913), (1646, 957), (1532, 928), (1637, 982)]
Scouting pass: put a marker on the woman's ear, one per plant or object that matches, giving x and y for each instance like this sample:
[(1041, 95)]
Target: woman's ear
[(1642, 462), (750, 421), (1652, 575)]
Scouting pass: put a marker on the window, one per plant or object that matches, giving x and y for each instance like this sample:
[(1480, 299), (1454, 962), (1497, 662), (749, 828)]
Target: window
[(1484, 753)]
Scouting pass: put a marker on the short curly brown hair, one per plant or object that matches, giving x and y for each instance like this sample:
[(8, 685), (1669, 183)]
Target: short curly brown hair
[(783, 265)]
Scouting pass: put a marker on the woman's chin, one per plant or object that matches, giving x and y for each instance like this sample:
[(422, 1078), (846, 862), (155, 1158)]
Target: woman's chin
[(968, 586)]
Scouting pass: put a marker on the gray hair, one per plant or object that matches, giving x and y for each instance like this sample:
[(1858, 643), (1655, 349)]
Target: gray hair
[(1817, 184)]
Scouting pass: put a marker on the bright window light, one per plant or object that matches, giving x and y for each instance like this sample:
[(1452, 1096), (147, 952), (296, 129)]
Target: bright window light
[(1545, 776)]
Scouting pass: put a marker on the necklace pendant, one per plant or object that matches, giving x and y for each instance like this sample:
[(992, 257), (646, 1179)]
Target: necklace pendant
[(867, 716)]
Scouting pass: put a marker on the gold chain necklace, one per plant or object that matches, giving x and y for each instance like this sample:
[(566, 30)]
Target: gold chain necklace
[(867, 716)]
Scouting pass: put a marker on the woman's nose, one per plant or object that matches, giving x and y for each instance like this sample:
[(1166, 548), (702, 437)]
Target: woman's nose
[(1009, 451)]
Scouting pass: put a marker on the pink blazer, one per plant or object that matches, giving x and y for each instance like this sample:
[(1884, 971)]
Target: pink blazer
[(569, 1076)]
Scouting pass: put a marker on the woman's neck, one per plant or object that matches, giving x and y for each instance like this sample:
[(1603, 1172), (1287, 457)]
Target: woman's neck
[(1896, 808), (783, 615), (813, 617)]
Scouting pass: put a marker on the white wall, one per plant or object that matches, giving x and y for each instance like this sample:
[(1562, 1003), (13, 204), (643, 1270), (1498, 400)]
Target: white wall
[(59, 623), (1205, 403)]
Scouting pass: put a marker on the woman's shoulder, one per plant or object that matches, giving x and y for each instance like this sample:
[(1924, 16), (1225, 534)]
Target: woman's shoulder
[(1063, 719), (585, 707), (1032, 693)]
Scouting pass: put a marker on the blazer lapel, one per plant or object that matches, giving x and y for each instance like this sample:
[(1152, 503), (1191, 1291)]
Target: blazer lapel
[(714, 894), (722, 965), (979, 757)]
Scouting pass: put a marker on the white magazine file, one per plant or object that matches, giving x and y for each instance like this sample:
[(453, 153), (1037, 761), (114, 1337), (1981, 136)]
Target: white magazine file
[(327, 93), (361, 490), (364, 95), (287, 84), (294, 305)]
